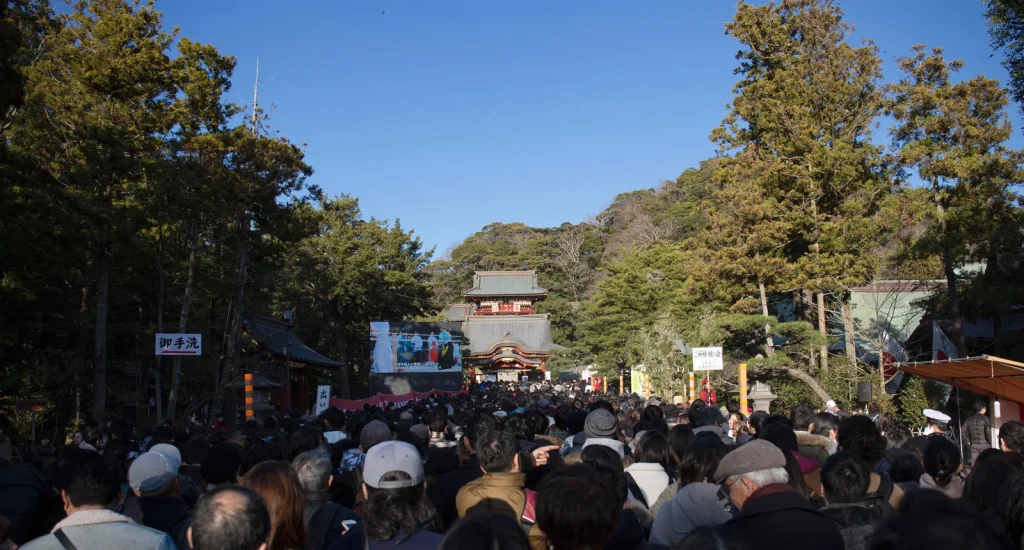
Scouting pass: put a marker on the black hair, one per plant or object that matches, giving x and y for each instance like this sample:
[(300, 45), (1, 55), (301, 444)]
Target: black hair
[(657, 425), (518, 426), (651, 412), (95, 480), (928, 520), (708, 416), (437, 424), (600, 404), (388, 512), (230, 517), (776, 419), (485, 530), (652, 448), (699, 462), (756, 420), (222, 463), (860, 435), (906, 468), (695, 406), (1011, 506), (562, 414), (782, 436), (801, 416), (844, 478), (537, 421), (711, 538), (987, 479), (941, 460), (305, 439), (577, 421), (477, 426), (587, 527), (679, 438), (980, 406), (254, 451), (1012, 435), (896, 435), (270, 422), (496, 451), (823, 423)]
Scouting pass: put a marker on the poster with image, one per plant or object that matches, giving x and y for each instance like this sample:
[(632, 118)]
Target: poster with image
[(409, 347)]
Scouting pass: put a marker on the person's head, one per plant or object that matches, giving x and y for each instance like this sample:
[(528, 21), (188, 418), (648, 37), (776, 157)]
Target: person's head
[(562, 414), (275, 481), (573, 527), (750, 467), (600, 424), (518, 427), (801, 416), (980, 407), (755, 422), (707, 416), (373, 433), (230, 517), (483, 530), (782, 436), (95, 483), (221, 464), (941, 460), (701, 459), (77, 438), (844, 479), (497, 452), (652, 448), (679, 438), (988, 478), (859, 435), (896, 435), (906, 468), (928, 520), (394, 488), (154, 474), (737, 423), (1011, 506), (1011, 436), (314, 471), (824, 424)]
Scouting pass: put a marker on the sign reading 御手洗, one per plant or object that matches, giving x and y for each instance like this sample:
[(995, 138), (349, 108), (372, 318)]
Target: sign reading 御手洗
[(707, 359), (179, 344)]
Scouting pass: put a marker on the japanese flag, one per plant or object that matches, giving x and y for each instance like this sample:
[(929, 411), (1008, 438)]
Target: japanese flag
[(942, 347), (892, 352)]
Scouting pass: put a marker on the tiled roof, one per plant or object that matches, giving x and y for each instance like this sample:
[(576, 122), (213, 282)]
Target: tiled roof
[(457, 313), (528, 333), (505, 283), (274, 336)]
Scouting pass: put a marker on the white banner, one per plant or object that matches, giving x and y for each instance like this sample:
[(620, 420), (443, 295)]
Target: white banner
[(179, 344), (707, 359), (323, 399)]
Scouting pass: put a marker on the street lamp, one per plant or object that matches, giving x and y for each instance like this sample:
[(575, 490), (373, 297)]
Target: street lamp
[(289, 318)]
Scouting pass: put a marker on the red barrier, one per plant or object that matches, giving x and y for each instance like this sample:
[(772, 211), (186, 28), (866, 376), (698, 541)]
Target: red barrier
[(381, 398)]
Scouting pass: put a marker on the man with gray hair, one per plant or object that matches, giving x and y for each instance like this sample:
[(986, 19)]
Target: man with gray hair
[(772, 513), (326, 521)]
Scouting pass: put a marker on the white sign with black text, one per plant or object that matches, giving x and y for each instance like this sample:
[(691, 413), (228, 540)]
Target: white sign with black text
[(707, 359), (323, 398), (179, 344)]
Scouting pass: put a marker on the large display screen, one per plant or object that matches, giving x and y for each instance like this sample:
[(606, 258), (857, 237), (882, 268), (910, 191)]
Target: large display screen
[(415, 347)]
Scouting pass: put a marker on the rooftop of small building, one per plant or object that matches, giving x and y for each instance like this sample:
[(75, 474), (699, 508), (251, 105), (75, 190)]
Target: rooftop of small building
[(505, 283)]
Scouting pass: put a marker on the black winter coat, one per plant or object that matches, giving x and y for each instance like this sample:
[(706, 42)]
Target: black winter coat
[(787, 521)]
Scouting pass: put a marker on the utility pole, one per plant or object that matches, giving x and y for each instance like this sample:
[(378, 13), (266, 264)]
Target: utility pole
[(256, 97)]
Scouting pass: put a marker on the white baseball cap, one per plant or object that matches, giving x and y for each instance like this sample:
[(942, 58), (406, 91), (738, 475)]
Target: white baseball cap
[(392, 456)]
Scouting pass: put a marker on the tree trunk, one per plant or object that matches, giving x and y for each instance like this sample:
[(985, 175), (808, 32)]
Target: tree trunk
[(99, 405), (822, 329), (769, 349), (231, 354), (83, 344), (811, 383), (849, 333), (344, 386), (157, 382), (957, 331), (186, 302)]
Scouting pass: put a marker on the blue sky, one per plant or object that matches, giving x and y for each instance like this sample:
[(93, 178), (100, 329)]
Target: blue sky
[(452, 114)]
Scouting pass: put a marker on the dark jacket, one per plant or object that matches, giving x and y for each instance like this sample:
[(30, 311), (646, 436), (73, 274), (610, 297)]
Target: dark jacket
[(420, 540), (443, 492), (777, 517), (165, 514), (856, 522), (978, 432), (323, 521), (26, 500)]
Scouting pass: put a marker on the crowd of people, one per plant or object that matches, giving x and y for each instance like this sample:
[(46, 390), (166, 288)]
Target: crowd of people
[(513, 467)]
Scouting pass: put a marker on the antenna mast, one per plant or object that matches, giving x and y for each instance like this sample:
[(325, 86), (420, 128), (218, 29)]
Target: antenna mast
[(256, 97)]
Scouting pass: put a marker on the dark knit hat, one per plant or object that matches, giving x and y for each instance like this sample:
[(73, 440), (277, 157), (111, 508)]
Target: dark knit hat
[(600, 423)]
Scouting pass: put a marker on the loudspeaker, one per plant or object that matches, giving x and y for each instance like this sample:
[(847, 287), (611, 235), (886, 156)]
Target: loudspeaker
[(864, 392)]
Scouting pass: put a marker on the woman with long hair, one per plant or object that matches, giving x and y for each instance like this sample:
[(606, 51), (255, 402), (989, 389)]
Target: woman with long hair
[(942, 467), (277, 483)]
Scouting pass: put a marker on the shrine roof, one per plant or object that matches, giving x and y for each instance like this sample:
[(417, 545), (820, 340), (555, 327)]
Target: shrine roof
[(528, 333), (505, 283), (275, 337)]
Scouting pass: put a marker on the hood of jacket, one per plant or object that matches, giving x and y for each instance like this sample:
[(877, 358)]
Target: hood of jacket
[(954, 489), (699, 505), (807, 439), (721, 432)]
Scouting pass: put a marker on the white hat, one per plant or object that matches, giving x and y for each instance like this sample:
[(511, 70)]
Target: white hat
[(936, 415), (392, 456), (830, 404)]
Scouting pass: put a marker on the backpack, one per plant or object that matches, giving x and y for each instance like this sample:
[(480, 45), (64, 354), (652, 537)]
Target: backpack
[(880, 497)]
